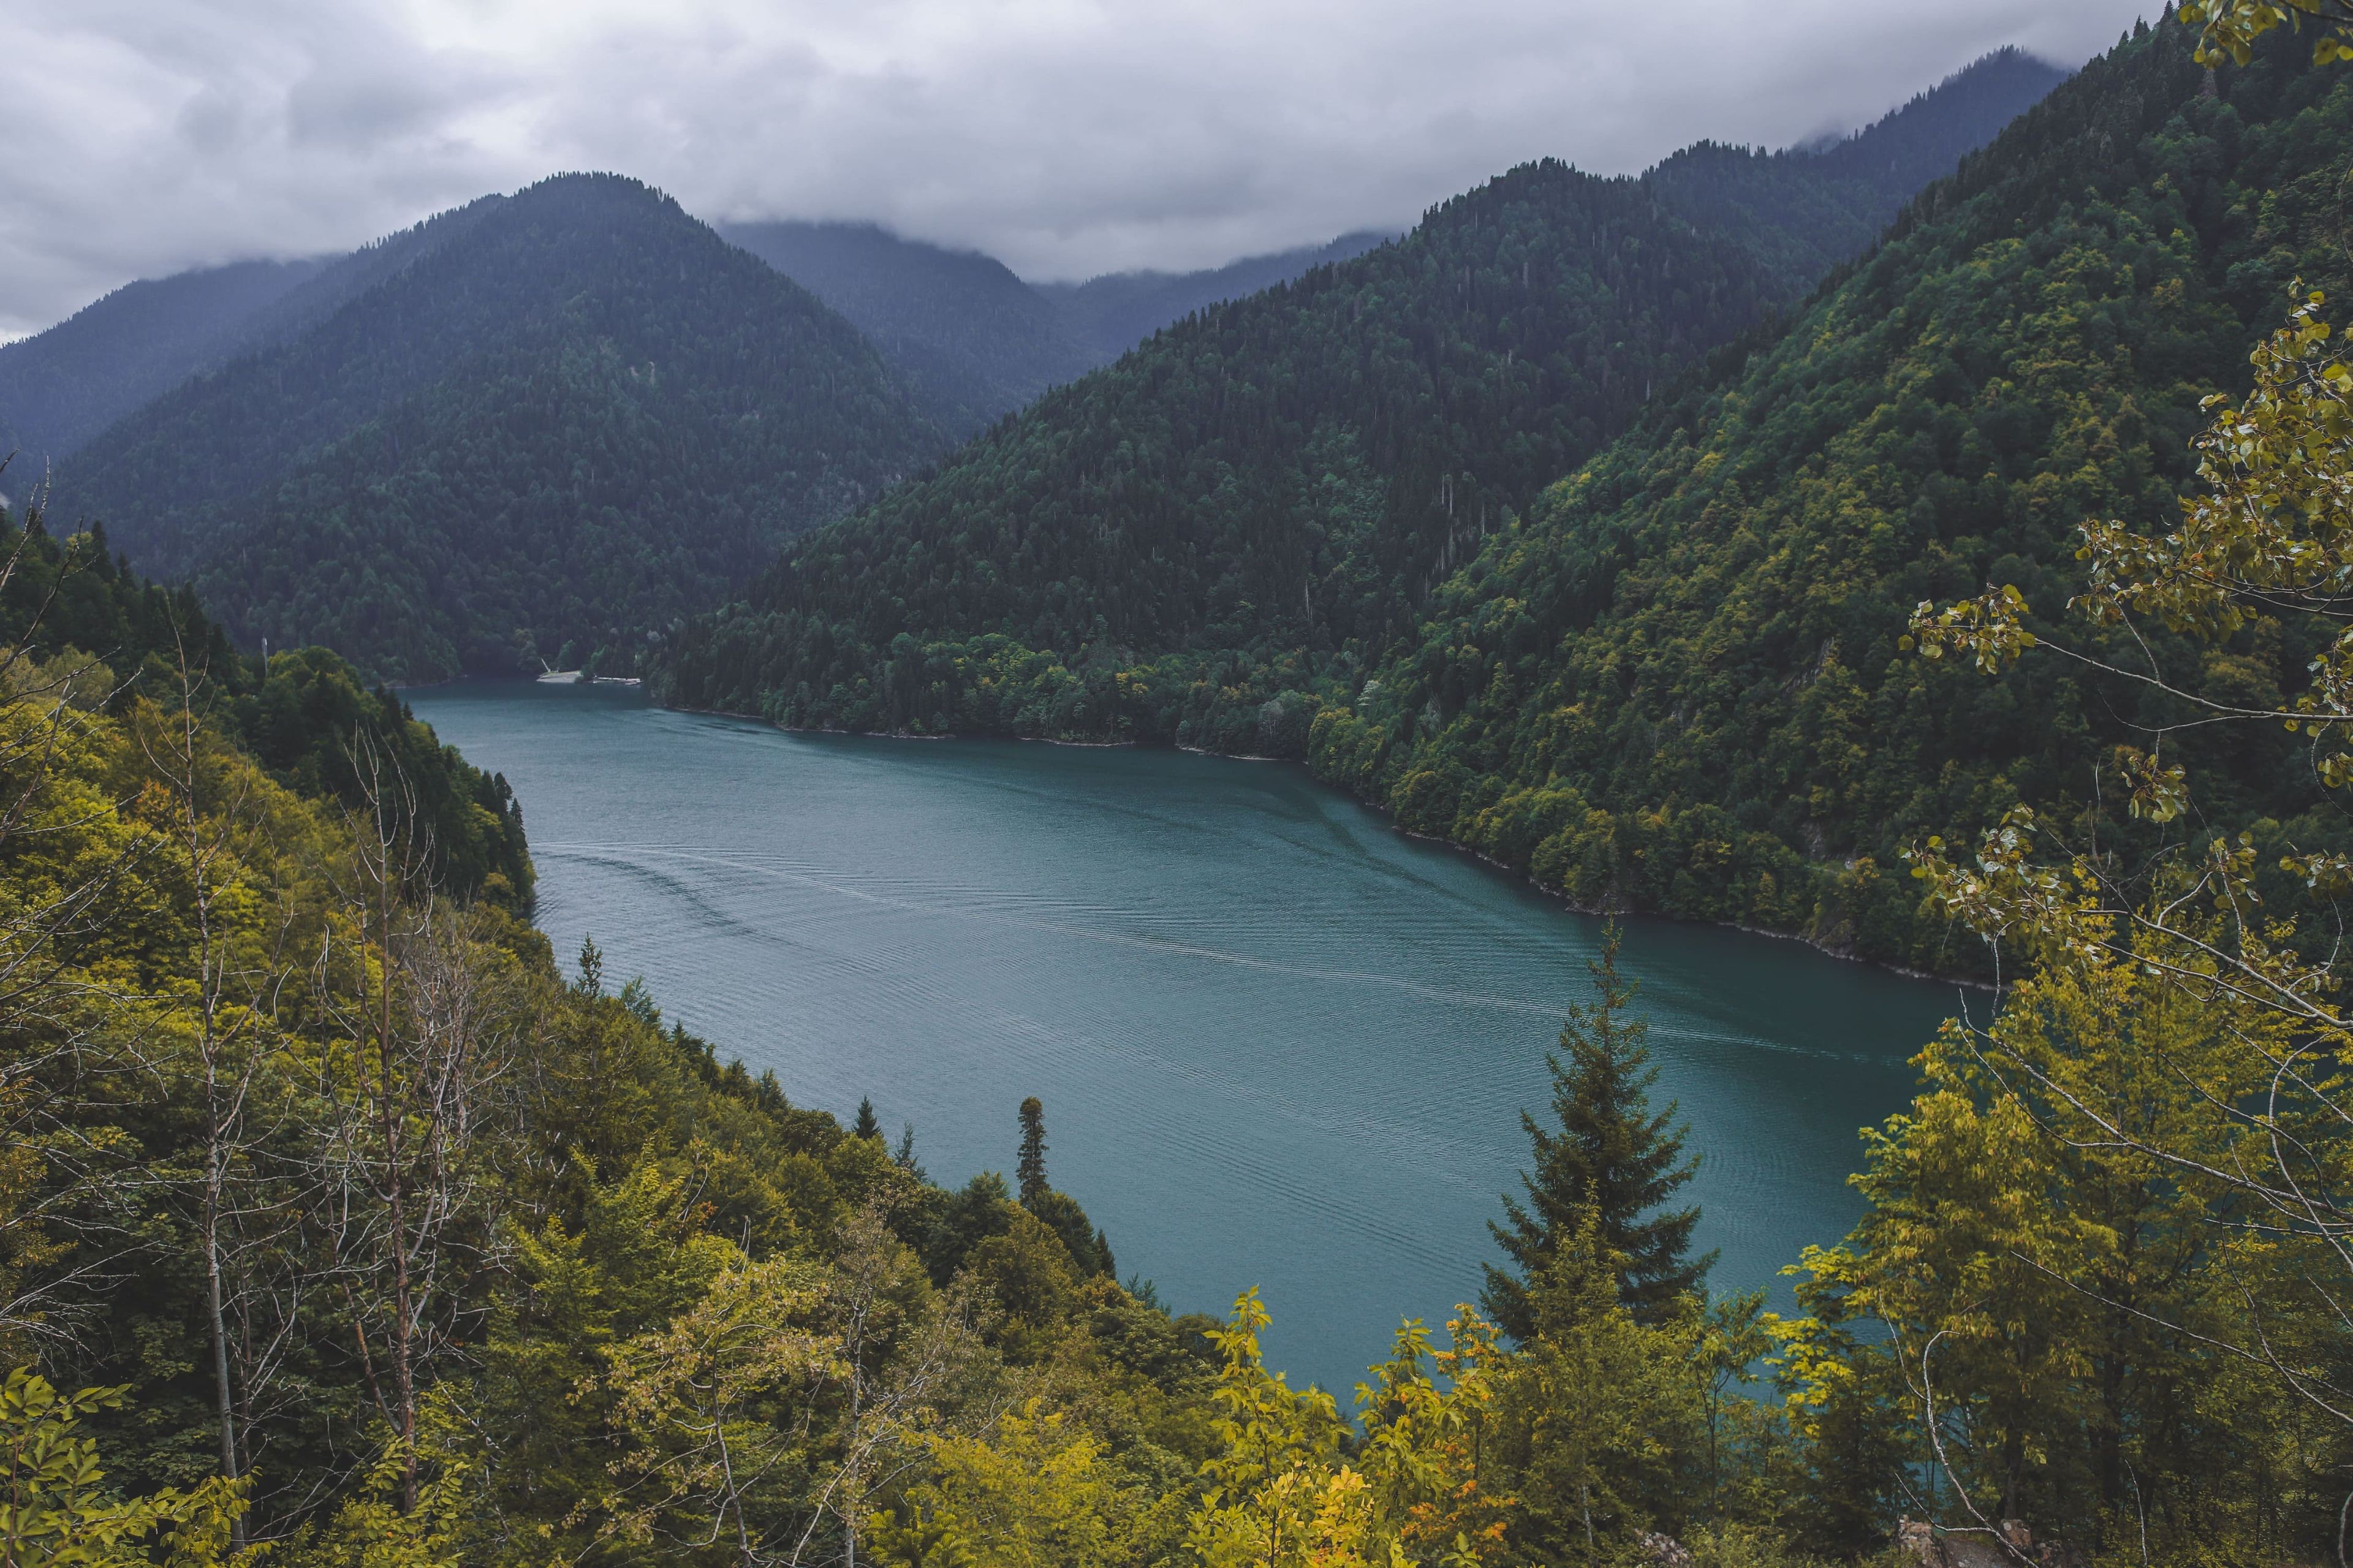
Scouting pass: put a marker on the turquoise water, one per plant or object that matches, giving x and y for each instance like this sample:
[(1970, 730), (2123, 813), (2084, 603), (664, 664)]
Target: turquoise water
[(1278, 1043)]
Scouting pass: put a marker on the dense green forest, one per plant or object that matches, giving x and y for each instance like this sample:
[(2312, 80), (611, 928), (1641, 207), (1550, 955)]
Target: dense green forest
[(1676, 683), (1232, 525), (572, 416)]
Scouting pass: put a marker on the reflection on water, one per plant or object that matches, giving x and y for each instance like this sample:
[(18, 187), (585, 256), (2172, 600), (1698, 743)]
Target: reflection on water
[(1278, 1043)]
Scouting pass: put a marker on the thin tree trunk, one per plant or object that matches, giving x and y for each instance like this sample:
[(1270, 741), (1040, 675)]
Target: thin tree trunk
[(404, 1371)]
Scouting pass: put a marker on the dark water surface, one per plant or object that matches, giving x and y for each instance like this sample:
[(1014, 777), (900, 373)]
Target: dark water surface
[(1278, 1043)]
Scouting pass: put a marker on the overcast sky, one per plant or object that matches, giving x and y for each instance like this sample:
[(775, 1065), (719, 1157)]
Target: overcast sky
[(1067, 137)]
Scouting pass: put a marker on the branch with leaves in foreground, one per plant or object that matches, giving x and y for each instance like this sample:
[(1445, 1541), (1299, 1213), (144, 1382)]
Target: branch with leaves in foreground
[(2229, 28), (2264, 1135)]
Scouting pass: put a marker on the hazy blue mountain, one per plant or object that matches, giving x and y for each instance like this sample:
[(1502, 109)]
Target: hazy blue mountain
[(1114, 313), (1807, 208), (972, 340), (565, 416), (60, 387)]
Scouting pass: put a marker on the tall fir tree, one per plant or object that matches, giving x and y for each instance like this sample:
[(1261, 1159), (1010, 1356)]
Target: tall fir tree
[(1031, 1169), (1611, 1158), (868, 1125)]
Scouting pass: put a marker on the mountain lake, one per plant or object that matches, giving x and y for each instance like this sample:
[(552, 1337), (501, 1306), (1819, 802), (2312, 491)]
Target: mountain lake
[(1278, 1043)]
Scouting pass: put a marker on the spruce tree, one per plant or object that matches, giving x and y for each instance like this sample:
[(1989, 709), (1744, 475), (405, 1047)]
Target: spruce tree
[(869, 1125), (1611, 1158), (1032, 1168)]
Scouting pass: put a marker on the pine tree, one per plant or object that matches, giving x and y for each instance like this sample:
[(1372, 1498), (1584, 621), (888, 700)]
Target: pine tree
[(869, 1125), (1611, 1158), (1032, 1168)]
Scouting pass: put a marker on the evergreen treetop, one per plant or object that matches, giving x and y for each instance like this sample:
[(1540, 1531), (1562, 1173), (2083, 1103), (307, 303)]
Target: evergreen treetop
[(1611, 1162), (1030, 1170)]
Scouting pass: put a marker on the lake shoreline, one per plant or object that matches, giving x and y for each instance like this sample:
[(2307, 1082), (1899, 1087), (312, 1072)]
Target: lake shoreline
[(1602, 912)]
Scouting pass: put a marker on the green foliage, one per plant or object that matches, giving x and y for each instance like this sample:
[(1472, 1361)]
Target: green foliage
[(1679, 683), (2230, 27), (1030, 1168), (1599, 1418), (306, 718), (576, 416), (57, 1511), (317, 1159), (1608, 1165)]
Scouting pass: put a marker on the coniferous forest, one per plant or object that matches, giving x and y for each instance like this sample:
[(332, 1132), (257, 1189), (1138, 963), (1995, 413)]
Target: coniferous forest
[(1980, 607)]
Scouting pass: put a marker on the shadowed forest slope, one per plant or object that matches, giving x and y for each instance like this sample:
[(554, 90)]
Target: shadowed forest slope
[(579, 416)]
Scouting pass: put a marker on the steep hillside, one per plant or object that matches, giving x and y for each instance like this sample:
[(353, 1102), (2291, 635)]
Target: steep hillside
[(972, 340), (1677, 686), (1251, 508), (1112, 313), (64, 602), (1804, 209), (576, 416), (1277, 478), (60, 387)]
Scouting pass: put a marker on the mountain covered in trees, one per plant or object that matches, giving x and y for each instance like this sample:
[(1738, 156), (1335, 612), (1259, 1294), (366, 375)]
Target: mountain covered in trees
[(1231, 526), (533, 429), (1679, 681), (61, 388), (339, 1229)]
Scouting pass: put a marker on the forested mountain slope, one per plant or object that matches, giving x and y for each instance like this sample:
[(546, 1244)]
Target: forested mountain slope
[(1251, 507), (61, 388), (578, 415), (974, 342), (76, 621), (1677, 684), (1807, 208)]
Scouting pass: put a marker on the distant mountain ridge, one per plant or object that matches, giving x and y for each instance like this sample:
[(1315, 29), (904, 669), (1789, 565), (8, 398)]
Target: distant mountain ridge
[(1174, 547), (976, 342), (972, 340), (538, 425), (61, 388), (1116, 311)]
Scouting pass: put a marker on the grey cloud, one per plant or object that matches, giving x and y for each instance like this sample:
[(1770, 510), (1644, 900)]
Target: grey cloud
[(1065, 136)]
